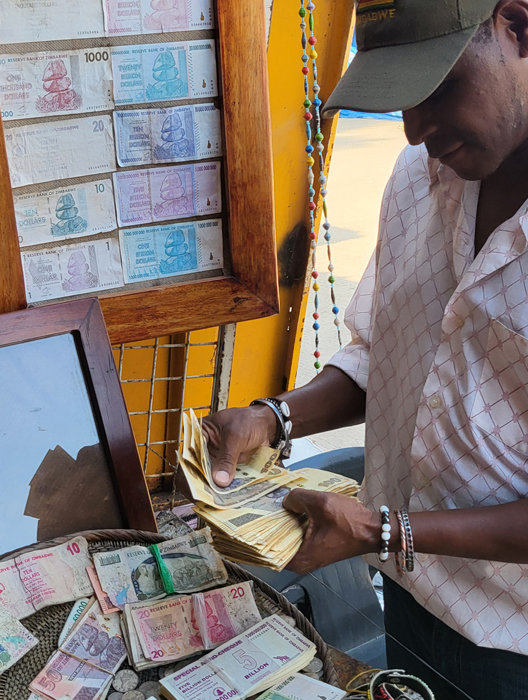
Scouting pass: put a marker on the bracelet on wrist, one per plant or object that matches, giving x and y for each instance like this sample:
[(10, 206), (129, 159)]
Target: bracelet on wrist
[(282, 439), (405, 557), (385, 534)]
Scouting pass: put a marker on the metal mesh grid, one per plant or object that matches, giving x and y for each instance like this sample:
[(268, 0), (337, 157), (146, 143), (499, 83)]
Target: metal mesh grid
[(160, 377)]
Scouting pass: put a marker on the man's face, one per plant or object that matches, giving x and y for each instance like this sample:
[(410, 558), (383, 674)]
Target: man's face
[(476, 118)]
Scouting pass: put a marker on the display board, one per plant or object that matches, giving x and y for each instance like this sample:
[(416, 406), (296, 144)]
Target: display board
[(137, 136)]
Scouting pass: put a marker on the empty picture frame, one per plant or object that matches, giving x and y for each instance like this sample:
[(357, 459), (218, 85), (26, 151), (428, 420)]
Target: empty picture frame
[(249, 287), (69, 459)]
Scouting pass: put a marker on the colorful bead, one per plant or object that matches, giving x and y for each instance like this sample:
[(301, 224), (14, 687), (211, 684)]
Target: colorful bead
[(331, 279), (312, 41), (315, 274), (317, 353), (315, 315), (305, 70), (317, 365), (310, 161), (308, 116), (316, 326), (311, 206), (316, 287)]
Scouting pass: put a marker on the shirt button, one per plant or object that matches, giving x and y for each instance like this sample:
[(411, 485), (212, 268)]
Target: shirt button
[(435, 401)]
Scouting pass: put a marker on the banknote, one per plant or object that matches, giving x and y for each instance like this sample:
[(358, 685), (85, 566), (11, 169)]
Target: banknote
[(15, 640), (265, 654), (152, 16), (49, 83), (96, 639), (167, 630), (49, 20), (62, 149), (45, 577), (67, 212), (224, 613), (162, 194), (131, 574), (66, 677), (155, 252), (160, 72), (102, 598), (170, 135), (72, 269), (301, 687), (75, 613)]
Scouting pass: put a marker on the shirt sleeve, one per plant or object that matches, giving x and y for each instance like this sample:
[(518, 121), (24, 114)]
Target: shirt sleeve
[(353, 359)]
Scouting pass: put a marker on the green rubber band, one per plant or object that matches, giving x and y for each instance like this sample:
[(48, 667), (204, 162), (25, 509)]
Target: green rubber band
[(165, 574)]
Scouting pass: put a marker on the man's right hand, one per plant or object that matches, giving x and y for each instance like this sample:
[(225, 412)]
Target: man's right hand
[(233, 433)]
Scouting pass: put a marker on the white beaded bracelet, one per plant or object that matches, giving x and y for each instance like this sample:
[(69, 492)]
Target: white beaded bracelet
[(385, 534)]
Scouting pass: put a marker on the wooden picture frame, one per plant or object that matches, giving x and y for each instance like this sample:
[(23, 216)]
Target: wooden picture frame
[(251, 289), (76, 324)]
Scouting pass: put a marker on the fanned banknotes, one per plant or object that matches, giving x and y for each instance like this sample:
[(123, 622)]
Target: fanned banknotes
[(267, 653), (162, 194), (156, 16), (67, 212), (15, 640), (155, 252), (301, 687), (49, 20), (47, 83), (43, 577), (56, 150), (171, 135), (131, 574), (62, 271), (161, 72)]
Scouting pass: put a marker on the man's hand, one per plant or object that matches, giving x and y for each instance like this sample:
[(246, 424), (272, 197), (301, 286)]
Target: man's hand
[(338, 527), (232, 434)]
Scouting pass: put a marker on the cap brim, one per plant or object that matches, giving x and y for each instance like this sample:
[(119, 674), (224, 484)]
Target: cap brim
[(391, 78)]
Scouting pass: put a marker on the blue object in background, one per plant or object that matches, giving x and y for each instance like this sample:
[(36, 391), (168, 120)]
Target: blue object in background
[(347, 113)]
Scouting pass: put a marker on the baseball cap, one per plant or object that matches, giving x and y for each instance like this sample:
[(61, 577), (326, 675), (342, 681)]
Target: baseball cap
[(405, 50)]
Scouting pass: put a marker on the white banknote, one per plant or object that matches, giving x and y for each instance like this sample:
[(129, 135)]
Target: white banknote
[(50, 83), (44, 577), (62, 149), (155, 252), (163, 194), (168, 135), (161, 72), (151, 16), (49, 20), (72, 269), (66, 212), (301, 687), (15, 640)]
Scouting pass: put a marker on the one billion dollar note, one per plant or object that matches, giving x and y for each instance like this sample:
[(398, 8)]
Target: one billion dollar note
[(50, 83), (49, 20), (66, 212), (53, 273), (155, 252), (161, 72), (152, 16), (167, 135), (162, 194), (56, 150)]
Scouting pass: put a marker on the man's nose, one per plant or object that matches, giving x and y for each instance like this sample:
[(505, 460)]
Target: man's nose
[(419, 123)]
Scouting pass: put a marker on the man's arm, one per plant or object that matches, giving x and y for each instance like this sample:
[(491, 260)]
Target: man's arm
[(331, 400)]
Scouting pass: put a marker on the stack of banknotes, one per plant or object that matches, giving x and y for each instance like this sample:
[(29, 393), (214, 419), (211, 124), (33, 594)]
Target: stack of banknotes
[(247, 519), (299, 686), (267, 653), (165, 631)]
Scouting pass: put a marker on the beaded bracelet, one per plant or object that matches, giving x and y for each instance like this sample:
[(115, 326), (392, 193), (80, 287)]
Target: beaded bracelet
[(409, 553), (385, 534)]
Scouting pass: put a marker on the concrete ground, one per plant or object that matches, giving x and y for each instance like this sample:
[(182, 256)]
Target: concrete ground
[(364, 154)]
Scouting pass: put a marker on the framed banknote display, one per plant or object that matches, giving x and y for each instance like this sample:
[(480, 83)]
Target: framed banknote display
[(136, 161), (69, 458)]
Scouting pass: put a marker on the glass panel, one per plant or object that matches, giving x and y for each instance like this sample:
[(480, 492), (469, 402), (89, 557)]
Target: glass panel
[(54, 471)]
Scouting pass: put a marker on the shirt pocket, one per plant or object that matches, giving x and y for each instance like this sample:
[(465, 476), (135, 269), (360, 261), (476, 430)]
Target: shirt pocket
[(501, 402)]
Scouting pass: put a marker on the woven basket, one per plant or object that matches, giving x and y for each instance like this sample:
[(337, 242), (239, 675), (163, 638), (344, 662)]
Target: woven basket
[(47, 624)]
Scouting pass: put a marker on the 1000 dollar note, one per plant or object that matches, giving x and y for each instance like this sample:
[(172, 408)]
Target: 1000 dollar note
[(49, 83), (45, 577)]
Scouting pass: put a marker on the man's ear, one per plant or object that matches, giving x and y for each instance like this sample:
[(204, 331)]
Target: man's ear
[(512, 16)]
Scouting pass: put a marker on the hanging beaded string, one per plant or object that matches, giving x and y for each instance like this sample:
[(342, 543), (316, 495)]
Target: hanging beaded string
[(310, 41)]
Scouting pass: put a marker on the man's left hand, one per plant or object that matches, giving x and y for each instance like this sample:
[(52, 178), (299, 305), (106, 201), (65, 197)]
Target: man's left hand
[(338, 527)]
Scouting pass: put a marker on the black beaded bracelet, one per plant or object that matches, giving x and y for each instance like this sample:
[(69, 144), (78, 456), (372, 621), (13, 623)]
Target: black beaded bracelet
[(282, 440)]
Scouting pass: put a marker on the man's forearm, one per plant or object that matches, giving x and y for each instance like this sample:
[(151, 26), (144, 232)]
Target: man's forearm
[(330, 400)]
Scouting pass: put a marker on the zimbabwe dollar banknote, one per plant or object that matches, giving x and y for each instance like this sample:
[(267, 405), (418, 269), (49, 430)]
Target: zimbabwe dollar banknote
[(156, 16)]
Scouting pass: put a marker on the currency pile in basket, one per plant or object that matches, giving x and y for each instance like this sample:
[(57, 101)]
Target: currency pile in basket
[(130, 614)]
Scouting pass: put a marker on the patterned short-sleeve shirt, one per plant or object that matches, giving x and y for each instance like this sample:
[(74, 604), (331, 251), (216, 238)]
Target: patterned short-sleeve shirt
[(440, 344)]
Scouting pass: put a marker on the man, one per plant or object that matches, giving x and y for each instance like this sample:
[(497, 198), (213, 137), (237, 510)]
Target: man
[(438, 361)]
